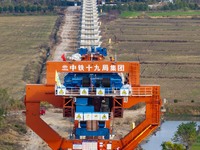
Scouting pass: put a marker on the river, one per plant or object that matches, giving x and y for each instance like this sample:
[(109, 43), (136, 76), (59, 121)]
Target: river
[(166, 132)]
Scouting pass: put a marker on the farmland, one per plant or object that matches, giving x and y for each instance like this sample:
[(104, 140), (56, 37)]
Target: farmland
[(127, 14), (21, 39), (168, 50)]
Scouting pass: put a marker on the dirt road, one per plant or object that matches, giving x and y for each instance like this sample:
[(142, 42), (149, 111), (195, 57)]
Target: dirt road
[(54, 119), (68, 33)]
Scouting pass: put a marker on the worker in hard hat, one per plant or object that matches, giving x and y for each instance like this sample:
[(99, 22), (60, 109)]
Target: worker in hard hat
[(104, 106)]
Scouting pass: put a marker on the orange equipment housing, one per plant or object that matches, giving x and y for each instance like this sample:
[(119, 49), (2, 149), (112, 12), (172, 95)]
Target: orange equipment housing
[(149, 94)]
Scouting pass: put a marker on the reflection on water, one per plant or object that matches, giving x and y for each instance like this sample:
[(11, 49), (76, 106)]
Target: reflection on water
[(166, 132)]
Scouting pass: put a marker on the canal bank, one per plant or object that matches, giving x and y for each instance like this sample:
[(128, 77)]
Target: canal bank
[(165, 133)]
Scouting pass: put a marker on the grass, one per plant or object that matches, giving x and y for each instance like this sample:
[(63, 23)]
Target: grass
[(196, 145), (12, 132), (177, 109), (173, 13), (128, 14), (21, 37)]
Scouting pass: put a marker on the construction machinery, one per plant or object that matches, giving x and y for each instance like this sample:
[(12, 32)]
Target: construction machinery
[(92, 93), (91, 90)]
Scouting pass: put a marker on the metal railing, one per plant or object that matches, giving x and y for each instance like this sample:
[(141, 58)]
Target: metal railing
[(142, 91), (93, 91)]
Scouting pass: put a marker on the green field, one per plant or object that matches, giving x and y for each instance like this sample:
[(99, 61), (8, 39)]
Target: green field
[(128, 14), (21, 37), (173, 13), (195, 147)]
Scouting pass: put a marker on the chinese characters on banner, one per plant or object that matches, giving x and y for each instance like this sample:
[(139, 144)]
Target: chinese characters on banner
[(93, 68)]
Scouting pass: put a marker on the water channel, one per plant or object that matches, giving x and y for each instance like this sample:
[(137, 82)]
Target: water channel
[(165, 133)]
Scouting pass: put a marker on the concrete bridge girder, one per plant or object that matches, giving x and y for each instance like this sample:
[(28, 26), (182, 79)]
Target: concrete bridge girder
[(89, 31)]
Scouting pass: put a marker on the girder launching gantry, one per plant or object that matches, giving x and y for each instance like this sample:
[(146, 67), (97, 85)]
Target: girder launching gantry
[(75, 102)]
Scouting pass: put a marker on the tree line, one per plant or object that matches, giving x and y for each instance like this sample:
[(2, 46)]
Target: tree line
[(26, 8), (143, 6), (180, 5), (34, 2), (32, 6), (125, 7)]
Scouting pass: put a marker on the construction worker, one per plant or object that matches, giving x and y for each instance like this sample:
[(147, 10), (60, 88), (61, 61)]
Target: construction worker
[(104, 106), (112, 59), (127, 86)]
